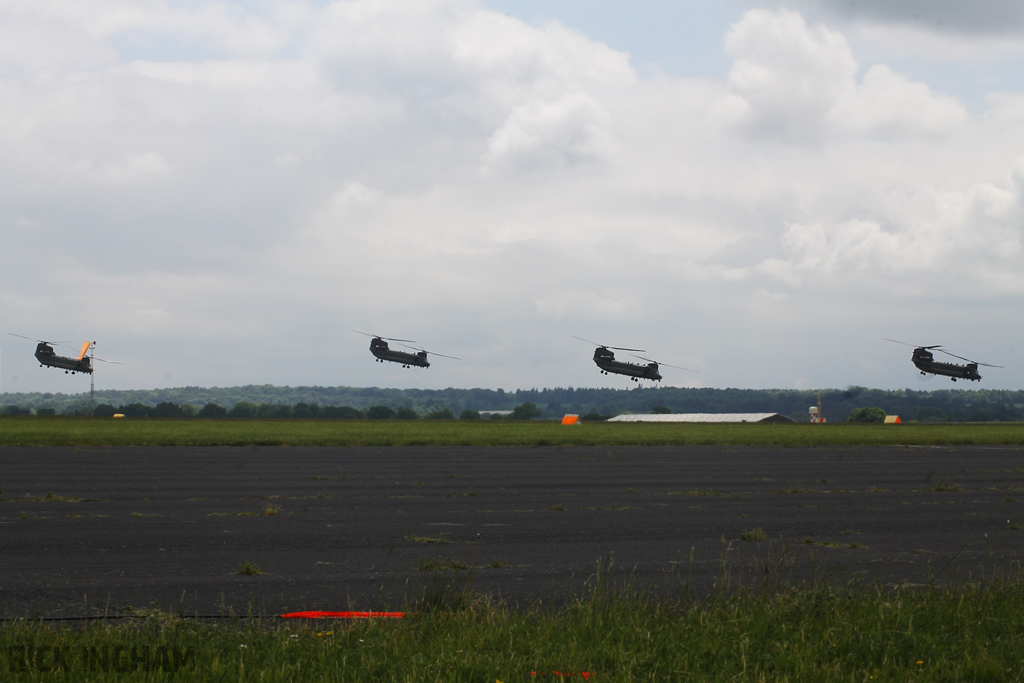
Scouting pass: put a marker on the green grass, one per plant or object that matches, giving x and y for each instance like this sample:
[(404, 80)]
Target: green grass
[(440, 539), (710, 494), (824, 633), (248, 568), (434, 564), (32, 431)]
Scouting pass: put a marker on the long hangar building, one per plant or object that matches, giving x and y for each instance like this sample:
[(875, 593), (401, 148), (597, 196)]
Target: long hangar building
[(703, 417)]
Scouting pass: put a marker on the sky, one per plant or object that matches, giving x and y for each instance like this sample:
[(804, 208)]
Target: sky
[(218, 193)]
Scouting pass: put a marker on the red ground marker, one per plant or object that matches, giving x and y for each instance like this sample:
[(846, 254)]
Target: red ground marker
[(585, 675), (343, 615)]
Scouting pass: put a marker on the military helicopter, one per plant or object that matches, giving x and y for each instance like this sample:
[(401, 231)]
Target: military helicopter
[(83, 363), (47, 356), (926, 363), (379, 348), (605, 359)]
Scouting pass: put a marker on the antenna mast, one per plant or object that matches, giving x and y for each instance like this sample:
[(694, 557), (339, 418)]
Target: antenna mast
[(92, 377), (816, 416)]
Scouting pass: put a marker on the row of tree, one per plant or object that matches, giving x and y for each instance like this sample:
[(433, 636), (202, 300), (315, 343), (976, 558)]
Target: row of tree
[(947, 405), (264, 411)]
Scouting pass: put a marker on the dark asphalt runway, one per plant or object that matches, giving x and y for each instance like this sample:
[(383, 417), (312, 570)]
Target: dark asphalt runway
[(168, 527)]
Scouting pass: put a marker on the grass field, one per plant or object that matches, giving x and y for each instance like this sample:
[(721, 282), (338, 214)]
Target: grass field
[(968, 631), (71, 431)]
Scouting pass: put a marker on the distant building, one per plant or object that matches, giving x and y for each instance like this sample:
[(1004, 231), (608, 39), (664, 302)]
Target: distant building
[(488, 413), (704, 417)]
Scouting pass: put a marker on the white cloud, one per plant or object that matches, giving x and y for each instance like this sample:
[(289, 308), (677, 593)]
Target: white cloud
[(946, 242), (575, 129), (130, 168), (956, 46), (889, 103), (267, 180), (944, 16), (799, 81), (790, 73)]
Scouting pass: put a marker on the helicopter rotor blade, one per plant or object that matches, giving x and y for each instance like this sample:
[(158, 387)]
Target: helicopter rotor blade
[(677, 367), (987, 365), (377, 336), (605, 346), (955, 356), (573, 336), (433, 353), (41, 341), (112, 362), (913, 346)]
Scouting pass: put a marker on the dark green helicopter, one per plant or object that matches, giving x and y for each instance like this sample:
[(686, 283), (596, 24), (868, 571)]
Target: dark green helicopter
[(48, 357), (605, 359), (82, 364), (380, 349), (926, 363)]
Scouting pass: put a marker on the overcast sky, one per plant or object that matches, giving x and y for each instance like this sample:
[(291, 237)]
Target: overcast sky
[(218, 192)]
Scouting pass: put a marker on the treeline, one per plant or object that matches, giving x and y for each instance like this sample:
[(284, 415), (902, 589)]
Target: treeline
[(948, 405), (277, 411)]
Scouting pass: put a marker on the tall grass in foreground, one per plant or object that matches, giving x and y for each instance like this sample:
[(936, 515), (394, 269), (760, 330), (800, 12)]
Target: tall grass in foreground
[(70, 431), (965, 631)]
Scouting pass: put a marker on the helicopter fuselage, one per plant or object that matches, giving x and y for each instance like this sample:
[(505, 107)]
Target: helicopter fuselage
[(605, 360), (46, 356), (380, 349), (926, 363)]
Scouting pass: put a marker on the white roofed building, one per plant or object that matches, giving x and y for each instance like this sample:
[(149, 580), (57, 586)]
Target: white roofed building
[(703, 417)]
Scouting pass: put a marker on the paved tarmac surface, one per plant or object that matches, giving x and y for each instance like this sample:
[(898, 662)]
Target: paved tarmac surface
[(83, 531)]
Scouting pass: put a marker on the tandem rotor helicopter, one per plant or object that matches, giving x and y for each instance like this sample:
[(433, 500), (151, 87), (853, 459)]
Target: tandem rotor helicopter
[(82, 364), (48, 357), (380, 349), (605, 359), (926, 363)]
